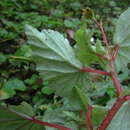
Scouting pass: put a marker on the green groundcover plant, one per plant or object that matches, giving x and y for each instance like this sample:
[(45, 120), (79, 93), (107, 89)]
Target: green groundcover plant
[(70, 74)]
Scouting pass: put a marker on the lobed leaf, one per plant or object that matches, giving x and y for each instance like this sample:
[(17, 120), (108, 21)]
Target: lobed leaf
[(122, 37), (55, 59), (84, 50)]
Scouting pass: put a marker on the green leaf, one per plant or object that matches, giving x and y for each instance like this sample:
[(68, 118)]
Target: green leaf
[(14, 118), (84, 49), (98, 114), (55, 60), (122, 37), (58, 117), (24, 51), (99, 48), (72, 23), (73, 116), (15, 84), (46, 90), (78, 99), (24, 108), (83, 97), (121, 120), (2, 58), (6, 93), (32, 80)]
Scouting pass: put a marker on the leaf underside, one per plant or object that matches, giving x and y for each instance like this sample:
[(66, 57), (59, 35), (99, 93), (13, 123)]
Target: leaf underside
[(55, 60)]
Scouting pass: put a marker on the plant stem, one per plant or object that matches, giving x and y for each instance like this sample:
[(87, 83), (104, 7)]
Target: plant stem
[(39, 122), (116, 83), (102, 31), (87, 69), (115, 52), (49, 124), (21, 58), (127, 98), (88, 118), (114, 77), (101, 56), (119, 102)]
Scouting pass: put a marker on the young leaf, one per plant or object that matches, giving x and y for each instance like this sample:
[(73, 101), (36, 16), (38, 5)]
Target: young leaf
[(122, 37), (99, 48), (121, 119), (84, 49), (55, 59)]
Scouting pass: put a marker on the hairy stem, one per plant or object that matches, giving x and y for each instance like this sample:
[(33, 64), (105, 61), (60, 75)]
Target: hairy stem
[(114, 77), (88, 118), (116, 83), (116, 49), (49, 124), (39, 122), (99, 24), (115, 108), (87, 69), (101, 56)]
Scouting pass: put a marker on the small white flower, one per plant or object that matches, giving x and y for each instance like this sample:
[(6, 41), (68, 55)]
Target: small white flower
[(92, 39)]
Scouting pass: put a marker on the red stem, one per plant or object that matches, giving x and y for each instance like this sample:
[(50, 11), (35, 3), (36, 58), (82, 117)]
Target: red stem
[(117, 84), (80, 113), (119, 102), (114, 77), (127, 98), (87, 69), (101, 56), (39, 122), (88, 118), (102, 31), (116, 49), (49, 124)]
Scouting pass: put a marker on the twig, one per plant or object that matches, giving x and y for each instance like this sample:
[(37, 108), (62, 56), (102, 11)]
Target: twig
[(102, 31), (88, 118), (116, 49), (49, 124), (39, 122), (114, 77), (87, 69), (115, 80), (116, 83), (101, 56)]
